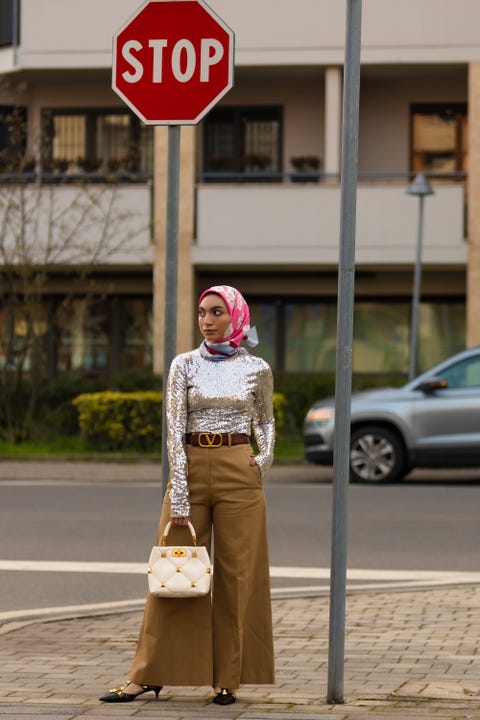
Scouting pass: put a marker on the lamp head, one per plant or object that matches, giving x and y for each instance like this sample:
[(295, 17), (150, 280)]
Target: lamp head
[(420, 186)]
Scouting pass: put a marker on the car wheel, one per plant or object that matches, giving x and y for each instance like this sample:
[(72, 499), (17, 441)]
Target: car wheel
[(377, 455)]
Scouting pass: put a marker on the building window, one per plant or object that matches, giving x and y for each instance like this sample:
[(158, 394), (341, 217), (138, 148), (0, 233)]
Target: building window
[(300, 336), (13, 138), (263, 317), (23, 336), (136, 352), (105, 335), (83, 337), (8, 11), (99, 335), (310, 331), (441, 331), (104, 141), (243, 140), (381, 337), (439, 138)]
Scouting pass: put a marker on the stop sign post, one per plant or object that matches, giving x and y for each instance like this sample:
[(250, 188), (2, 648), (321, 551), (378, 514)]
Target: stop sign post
[(172, 61)]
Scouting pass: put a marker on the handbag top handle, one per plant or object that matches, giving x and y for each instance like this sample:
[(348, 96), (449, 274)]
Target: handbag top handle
[(167, 530)]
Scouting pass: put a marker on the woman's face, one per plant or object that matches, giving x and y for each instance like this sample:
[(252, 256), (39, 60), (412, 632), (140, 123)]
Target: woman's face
[(213, 317)]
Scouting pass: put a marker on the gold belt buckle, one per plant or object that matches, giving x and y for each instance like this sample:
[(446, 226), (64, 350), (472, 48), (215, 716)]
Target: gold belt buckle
[(210, 439)]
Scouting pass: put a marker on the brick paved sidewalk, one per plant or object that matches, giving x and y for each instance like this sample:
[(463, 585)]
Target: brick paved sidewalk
[(408, 655)]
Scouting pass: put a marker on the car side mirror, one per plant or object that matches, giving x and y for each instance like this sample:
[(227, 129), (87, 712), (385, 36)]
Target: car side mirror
[(430, 386)]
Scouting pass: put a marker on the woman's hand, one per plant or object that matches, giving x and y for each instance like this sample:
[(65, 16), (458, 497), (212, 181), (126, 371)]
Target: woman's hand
[(253, 461), (180, 520)]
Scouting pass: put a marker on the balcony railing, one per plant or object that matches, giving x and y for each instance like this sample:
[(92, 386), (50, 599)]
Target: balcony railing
[(29, 176), (59, 178), (262, 176)]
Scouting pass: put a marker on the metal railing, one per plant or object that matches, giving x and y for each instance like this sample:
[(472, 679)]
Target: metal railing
[(57, 178), (225, 177), (319, 177)]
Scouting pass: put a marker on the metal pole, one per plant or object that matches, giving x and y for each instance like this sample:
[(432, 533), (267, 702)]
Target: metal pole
[(412, 368), (171, 277), (346, 288)]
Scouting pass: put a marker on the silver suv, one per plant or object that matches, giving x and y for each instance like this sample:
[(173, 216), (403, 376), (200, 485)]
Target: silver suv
[(432, 421)]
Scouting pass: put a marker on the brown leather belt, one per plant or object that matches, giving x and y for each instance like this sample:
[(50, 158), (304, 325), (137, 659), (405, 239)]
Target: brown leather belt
[(213, 440)]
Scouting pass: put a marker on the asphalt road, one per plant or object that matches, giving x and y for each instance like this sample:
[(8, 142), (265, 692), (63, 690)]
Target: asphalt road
[(420, 525)]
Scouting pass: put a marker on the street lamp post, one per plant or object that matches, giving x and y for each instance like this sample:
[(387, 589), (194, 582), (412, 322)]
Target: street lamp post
[(421, 188)]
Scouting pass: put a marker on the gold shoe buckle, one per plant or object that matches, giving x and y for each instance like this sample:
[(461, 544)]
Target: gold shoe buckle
[(211, 440)]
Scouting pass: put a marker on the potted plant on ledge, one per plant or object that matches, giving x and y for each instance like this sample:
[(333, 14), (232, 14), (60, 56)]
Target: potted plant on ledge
[(256, 162), (307, 168)]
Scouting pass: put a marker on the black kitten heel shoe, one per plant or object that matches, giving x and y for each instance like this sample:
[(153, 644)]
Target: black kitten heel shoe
[(118, 695), (224, 697)]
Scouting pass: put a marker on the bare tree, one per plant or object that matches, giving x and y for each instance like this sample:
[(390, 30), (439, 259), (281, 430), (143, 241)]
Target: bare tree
[(45, 226)]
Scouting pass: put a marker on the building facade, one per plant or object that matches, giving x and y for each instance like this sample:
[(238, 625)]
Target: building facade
[(260, 186)]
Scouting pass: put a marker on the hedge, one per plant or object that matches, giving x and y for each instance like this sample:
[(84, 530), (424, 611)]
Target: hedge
[(132, 420), (120, 420), (301, 390)]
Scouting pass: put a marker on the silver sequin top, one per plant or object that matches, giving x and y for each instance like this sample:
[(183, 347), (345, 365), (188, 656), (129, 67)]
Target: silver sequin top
[(233, 395)]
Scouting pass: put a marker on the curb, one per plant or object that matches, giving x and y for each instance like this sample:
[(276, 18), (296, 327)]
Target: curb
[(137, 605)]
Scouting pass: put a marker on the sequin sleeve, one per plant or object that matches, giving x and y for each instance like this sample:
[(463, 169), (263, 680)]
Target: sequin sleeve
[(263, 421), (176, 413)]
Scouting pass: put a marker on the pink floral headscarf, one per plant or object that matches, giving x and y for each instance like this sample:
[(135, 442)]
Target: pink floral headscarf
[(239, 328)]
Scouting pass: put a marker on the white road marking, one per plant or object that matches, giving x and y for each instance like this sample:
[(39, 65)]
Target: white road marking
[(440, 577), (74, 566), (10, 615), (13, 619), (357, 574), (358, 580)]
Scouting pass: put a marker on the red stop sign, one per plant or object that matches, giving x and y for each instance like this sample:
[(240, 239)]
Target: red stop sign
[(172, 61)]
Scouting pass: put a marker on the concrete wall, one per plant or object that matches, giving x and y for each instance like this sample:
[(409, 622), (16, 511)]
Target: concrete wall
[(299, 226), (385, 99), (86, 225), (68, 33), (273, 32)]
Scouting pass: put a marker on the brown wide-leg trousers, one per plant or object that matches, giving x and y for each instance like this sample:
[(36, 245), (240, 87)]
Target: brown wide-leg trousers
[(226, 639)]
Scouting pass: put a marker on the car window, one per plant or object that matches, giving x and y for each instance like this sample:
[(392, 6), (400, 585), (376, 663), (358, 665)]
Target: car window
[(464, 374)]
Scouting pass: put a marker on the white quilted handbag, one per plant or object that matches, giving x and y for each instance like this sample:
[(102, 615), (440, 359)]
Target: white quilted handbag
[(179, 570)]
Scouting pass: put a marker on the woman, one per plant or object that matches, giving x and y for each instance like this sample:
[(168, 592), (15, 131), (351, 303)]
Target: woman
[(216, 396)]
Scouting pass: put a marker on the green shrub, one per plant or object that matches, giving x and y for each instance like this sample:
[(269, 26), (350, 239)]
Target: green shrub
[(115, 420), (135, 380), (43, 407), (301, 390), (55, 415), (131, 421), (279, 408)]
